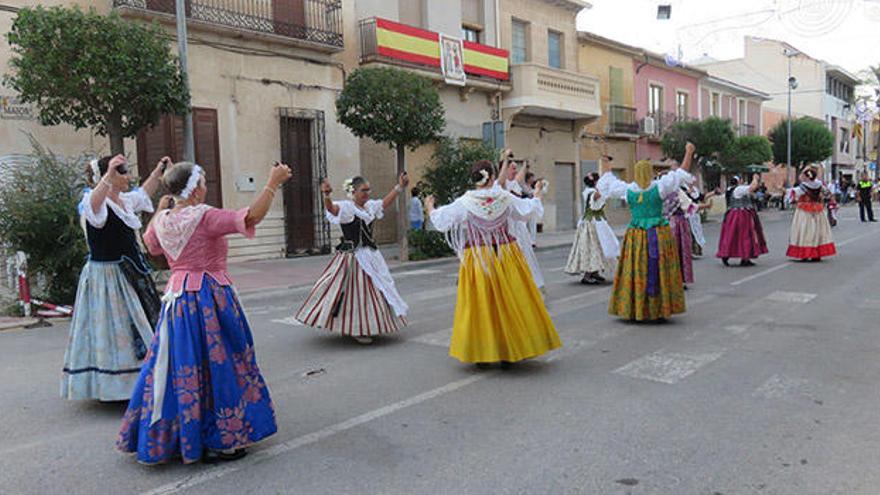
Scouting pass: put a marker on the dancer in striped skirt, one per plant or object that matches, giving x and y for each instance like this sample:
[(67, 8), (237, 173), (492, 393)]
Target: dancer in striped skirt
[(356, 296)]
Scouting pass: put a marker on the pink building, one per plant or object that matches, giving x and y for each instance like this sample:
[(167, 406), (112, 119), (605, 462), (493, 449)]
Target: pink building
[(664, 95)]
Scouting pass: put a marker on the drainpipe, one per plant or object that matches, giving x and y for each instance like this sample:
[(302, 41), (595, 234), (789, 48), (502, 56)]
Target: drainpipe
[(497, 23)]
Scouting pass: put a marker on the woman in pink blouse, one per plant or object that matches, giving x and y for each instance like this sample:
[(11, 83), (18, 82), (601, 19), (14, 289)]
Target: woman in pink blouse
[(200, 394)]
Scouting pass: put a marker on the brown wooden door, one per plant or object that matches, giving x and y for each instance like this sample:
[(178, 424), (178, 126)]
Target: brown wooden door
[(299, 214), (166, 138)]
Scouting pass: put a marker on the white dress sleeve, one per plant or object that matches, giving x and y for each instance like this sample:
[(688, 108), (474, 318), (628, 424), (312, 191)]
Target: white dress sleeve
[(525, 209), (446, 217), (610, 186), (345, 215), (741, 191), (96, 219), (670, 182), (137, 201), (375, 207)]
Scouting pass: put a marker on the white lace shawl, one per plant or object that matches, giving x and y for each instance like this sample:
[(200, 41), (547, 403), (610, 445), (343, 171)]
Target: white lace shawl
[(174, 229)]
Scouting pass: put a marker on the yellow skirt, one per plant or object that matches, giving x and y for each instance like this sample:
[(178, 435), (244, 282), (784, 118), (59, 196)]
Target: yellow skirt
[(499, 314)]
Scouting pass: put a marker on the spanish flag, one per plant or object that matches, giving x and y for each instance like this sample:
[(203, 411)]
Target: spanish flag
[(418, 46)]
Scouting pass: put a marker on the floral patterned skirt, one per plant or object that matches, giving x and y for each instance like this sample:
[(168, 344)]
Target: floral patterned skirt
[(215, 397), (648, 285)]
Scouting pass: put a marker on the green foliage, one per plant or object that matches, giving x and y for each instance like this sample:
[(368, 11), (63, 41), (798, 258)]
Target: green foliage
[(811, 142), (448, 176), (391, 106), (428, 244), (38, 215), (745, 151), (89, 70), (711, 137)]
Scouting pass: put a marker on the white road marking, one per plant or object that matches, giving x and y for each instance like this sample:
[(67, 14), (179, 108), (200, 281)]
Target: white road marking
[(791, 297), (439, 338), (761, 274), (290, 320), (702, 299), (667, 367), (413, 273), (854, 239), (778, 386), (737, 329)]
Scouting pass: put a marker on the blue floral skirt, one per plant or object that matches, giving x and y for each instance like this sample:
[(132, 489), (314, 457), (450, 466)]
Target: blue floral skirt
[(215, 397)]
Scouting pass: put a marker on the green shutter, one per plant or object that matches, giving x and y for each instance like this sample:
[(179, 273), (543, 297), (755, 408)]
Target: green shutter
[(615, 83)]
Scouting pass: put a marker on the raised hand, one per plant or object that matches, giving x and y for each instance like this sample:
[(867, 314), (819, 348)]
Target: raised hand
[(280, 174)]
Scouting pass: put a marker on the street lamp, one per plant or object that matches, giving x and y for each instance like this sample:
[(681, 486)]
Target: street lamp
[(792, 85)]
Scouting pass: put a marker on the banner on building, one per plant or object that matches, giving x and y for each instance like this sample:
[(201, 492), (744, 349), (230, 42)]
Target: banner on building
[(452, 60), (11, 108), (421, 47)]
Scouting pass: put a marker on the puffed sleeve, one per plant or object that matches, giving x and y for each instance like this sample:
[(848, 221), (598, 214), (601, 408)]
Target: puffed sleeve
[(96, 219), (220, 222), (446, 217), (526, 208), (376, 208), (138, 201), (612, 187), (345, 215), (151, 241), (670, 182), (597, 204), (741, 191)]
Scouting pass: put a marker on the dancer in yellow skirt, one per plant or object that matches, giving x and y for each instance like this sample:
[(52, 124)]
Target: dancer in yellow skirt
[(499, 315), (648, 285)]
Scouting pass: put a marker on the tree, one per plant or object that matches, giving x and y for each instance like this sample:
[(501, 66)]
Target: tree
[(38, 215), (712, 137), (811, 142), (448, 176), (395, 107), (90, 70), (745, 151)]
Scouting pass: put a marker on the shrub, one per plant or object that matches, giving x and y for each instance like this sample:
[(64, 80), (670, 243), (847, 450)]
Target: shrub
[(428, 244), (38, 215)]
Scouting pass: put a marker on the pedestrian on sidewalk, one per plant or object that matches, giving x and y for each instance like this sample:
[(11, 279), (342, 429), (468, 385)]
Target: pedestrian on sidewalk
[(810, 237), (866, 190), (595, 246), (416, 210), (117, 304), (499, 314), (200, 394), (648, 285), (742, 235), (356, 296), (511, 178)]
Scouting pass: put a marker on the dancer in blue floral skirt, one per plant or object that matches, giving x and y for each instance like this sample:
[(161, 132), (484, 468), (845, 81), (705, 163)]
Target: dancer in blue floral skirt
[(200, 395)]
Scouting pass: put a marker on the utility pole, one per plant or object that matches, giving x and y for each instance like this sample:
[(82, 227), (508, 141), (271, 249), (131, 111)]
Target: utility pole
[(189, 149), (792, 84)]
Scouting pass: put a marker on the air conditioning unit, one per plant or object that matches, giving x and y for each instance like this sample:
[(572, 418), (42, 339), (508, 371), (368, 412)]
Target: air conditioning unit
[(648, 127)]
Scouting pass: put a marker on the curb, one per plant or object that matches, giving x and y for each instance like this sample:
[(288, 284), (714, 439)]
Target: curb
[(27, 323)]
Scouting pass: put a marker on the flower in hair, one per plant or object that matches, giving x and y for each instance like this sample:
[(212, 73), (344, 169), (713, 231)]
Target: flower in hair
[(348, 187), (485, 178)]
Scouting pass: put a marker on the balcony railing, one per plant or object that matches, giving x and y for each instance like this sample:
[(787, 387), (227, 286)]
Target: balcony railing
[(312, 21), (622, 120), (662, 121), (391, 42), (746, 130)]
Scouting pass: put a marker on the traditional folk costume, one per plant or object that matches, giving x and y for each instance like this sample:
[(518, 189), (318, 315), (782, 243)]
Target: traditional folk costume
[(200, 387), (810, 237), (677, 206), (648, 285), (742, 235), (696, 221), (595, 246), (499, 313), (116, 306), (521, 230), (355, 296)]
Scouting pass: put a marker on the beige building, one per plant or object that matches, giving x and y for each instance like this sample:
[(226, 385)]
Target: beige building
[(551, 100), (264, 81)]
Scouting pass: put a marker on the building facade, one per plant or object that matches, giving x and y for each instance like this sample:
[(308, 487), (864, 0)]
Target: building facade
[(551, 100)]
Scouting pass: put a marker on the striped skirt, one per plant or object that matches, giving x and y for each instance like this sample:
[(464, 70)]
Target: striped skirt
[(346, 300)]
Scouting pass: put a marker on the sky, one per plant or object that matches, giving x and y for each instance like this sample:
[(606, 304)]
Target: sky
[(842, 32)]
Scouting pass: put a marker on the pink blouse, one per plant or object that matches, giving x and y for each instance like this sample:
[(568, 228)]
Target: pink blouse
[(205, 252)]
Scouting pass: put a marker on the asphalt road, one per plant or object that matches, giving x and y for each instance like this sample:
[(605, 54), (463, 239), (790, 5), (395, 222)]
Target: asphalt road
[(769, 384)]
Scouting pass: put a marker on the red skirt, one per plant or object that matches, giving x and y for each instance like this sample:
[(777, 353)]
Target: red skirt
[(742, 235)]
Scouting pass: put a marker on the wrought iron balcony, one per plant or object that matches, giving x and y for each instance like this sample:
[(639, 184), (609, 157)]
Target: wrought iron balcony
[(622, 120), (317, 23), (746, 130)]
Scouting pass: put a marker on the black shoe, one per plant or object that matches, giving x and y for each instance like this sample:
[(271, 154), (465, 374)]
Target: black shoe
[(599, 278), (746, 263), (872, 220), (724, 260), (483, 366), (506, 365), (215, 456), (589, 281)]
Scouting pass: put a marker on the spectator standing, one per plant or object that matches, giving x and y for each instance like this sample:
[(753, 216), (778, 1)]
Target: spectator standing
[(416, 211)]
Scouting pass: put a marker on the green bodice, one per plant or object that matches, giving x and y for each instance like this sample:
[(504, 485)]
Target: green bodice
[(649, 212), (591, 214)]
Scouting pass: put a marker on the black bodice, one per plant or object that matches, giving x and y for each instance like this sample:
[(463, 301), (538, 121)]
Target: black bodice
[(114, 241), (358, 233)]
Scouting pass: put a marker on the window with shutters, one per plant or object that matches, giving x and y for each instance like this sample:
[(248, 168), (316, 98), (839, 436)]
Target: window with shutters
[(682, 105), (554, 49), (615, 83), (410, 12), (470, 33), (519, 45), (472, 12), (655, 100), (166, 139)]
